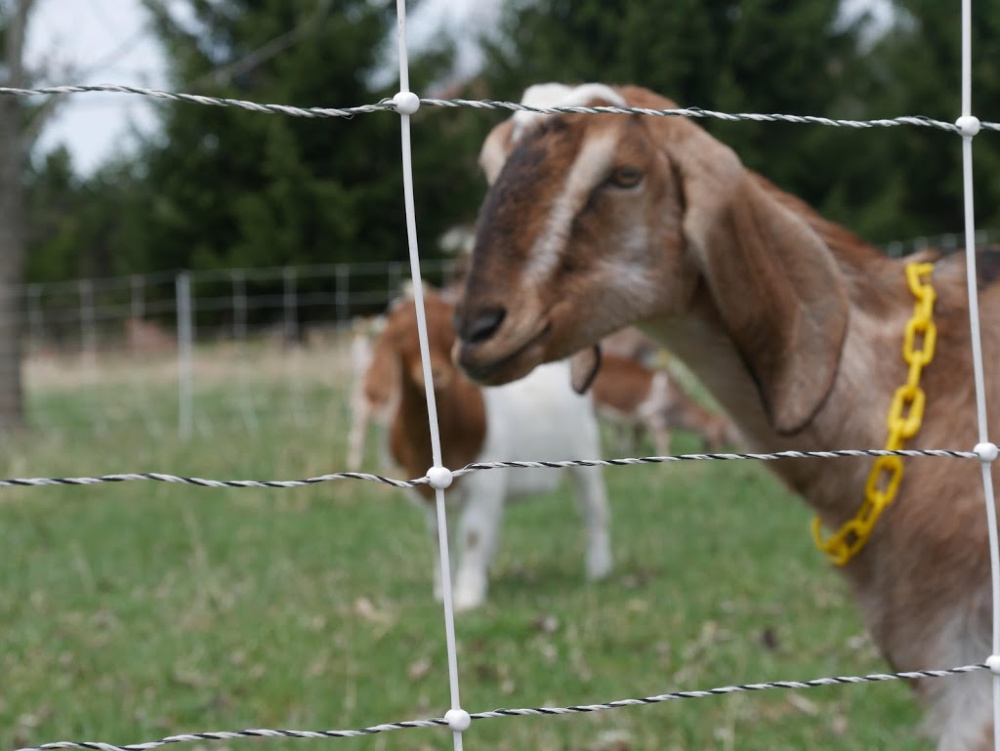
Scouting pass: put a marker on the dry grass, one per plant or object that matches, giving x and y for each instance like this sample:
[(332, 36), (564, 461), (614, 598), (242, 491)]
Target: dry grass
[(262, 361)]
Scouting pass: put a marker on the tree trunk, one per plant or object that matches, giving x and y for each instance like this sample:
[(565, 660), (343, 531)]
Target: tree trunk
[(11, 268), (12, 233)]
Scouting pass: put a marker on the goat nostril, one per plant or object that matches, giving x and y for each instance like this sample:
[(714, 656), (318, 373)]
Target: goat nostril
[(483, 324)]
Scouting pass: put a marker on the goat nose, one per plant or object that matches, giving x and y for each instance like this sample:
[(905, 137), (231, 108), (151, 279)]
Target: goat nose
[(479, 325)]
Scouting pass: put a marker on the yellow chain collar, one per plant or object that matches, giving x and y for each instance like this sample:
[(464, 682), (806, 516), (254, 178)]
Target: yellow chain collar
[(887, 472)]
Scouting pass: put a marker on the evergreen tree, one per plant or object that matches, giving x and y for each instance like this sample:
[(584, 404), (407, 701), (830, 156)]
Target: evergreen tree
[(230, 188), (770, 56), (918, 71), (83, 227)]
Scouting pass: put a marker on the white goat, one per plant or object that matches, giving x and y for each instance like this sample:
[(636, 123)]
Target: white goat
[(538, 417), (795, 324)]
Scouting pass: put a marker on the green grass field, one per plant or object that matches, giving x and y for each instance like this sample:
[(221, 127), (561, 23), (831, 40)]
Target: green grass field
[(139, 610)]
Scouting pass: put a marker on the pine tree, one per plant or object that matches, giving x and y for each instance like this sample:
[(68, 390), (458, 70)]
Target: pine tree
[(769, 56), (230, 188)]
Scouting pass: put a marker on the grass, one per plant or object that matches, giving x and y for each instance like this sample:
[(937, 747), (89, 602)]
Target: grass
[(133, 611)]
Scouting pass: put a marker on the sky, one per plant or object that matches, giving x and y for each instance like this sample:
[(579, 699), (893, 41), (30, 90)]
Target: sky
[(108, 41)]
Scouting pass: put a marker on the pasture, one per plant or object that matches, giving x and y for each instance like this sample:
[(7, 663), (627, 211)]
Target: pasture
[(138, 610)]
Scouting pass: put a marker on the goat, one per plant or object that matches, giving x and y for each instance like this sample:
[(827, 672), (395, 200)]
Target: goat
[(794, 323), (629, 393), (632, 344), (539, 416), (372, 392), (148, 338)]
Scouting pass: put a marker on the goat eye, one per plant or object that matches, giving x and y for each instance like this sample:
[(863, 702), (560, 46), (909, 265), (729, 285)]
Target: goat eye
[(626, 177)]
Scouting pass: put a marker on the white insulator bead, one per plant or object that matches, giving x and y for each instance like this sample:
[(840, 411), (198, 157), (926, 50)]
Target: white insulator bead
[(458, 720), (987, 452), (969, 125), (406, 102), (993, 663), (440, 477)]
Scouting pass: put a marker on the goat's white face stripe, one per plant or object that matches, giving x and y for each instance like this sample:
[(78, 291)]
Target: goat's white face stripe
[(591, 165), (560, 95)]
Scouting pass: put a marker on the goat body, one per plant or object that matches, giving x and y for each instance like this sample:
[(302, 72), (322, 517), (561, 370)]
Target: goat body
[(373, 391), (538, 418), (792, 322), (635, 396)]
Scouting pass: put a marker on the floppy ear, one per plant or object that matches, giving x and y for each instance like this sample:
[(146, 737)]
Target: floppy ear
[(774, 281), (377, 387), (583, 368), (496, 149)]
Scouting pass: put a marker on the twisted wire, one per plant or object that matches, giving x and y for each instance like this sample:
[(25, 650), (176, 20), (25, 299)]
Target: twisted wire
[(211, 101), (440, 722), (698, 112), (386, 105), (31, 482)]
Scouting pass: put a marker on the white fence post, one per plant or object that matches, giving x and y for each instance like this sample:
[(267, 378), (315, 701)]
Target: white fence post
[(245, 400), (291, 305), (290, 301), (185, 371), (239, 306), (395, 280), (88, 331), (340, 272), (36, 320)]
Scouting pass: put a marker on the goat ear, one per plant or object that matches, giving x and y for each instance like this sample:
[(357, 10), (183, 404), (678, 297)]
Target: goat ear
[(773, 279), (583, 367), (496, 149)]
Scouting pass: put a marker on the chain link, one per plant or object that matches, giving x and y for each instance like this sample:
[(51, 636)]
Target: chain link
[(906, 414)]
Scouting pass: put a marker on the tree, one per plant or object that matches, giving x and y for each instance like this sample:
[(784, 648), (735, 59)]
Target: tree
[(917, 66), (234, 189), (83, 227), (797, 57), (782, 56), (13, 150)]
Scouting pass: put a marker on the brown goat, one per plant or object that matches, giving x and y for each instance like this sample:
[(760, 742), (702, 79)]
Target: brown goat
[(539, 415), (793, 323), (629, 393)]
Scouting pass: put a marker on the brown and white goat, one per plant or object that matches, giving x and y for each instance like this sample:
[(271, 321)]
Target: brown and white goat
[(373, 390), (796, 325), (640, 398), (632, 344), (538, 417)]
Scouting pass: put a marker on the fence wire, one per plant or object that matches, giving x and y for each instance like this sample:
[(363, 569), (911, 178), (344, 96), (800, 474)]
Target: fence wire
[(29, 482), (441, 722), (387, 105)]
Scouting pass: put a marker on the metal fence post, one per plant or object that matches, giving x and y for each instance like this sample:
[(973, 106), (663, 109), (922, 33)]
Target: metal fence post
[(340, 272), (137, 302), (185, 371), (88, 330), (36, 320), (291, 304)]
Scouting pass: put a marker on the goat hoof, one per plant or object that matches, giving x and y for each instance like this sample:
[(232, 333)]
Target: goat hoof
[(599, 566), (467, 600)]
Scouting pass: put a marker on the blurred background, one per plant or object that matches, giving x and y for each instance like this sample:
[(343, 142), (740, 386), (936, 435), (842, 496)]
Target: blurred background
[(297, 225)]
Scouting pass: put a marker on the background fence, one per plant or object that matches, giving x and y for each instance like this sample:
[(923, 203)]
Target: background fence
[(165, 345), (238, 343)]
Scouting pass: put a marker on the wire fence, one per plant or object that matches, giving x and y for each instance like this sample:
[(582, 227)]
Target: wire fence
[(169, 339), (463, 721), (458, 719)]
